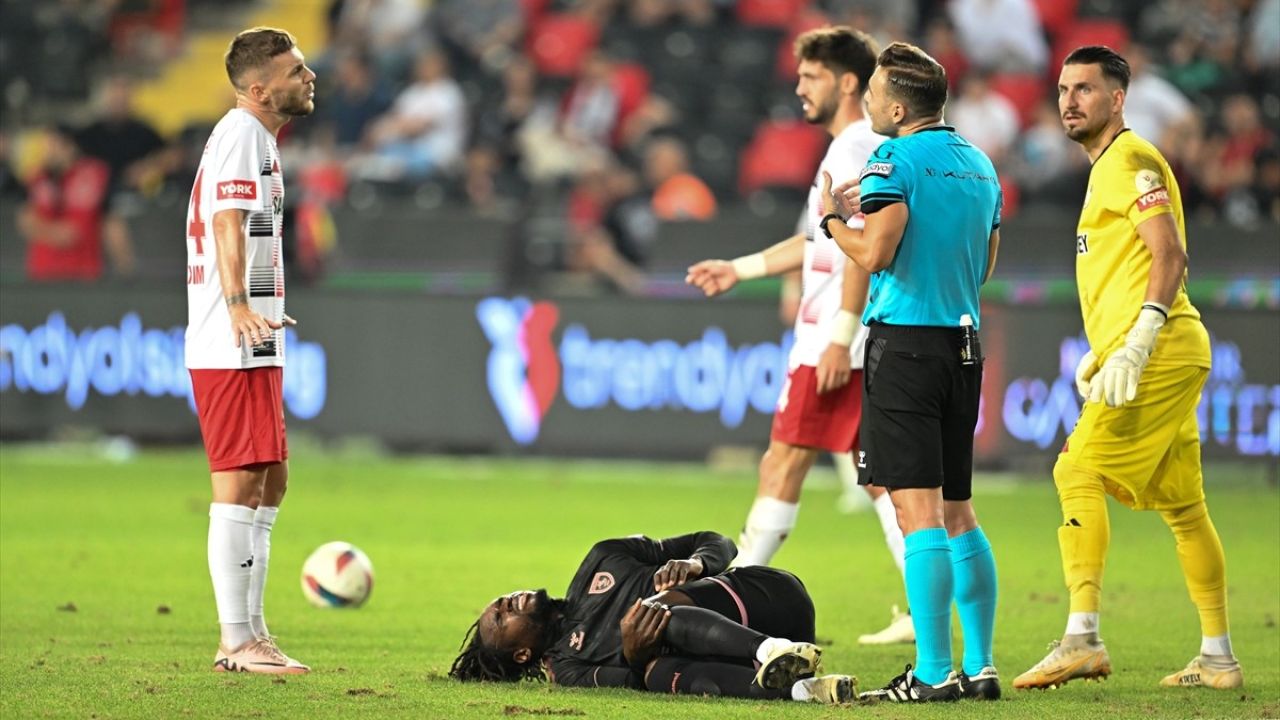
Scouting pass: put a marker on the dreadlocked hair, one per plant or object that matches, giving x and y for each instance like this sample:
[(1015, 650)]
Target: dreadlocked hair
[(477, 663)]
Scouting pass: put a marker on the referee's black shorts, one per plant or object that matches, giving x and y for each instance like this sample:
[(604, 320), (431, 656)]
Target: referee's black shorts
[(919, 410), (765, 599)]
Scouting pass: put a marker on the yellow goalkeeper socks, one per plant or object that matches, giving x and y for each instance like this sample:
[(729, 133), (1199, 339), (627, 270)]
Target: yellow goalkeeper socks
[(1084, 535), (1203, 564)]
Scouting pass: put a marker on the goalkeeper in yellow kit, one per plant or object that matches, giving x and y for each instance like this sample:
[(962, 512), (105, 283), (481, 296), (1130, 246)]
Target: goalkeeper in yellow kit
[(1137, 438)]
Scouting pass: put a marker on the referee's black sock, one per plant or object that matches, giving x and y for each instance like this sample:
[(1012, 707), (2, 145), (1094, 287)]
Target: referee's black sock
[(698, 631)]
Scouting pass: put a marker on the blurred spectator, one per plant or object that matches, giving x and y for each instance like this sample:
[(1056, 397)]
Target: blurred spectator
[(1153, 107), (1186, 156), (984, 117), (885, 20), (425, 131), (494, 162), (1263, 52), (1190, 71), (611, 226), (1230, 156), (62, 220), (357, 98), (582, 132), (1002, 35), (1266, 184), (677, 193), (1047, 163), (592, 105), (390, 29), (940, 41), (138, 157), (479, 33)]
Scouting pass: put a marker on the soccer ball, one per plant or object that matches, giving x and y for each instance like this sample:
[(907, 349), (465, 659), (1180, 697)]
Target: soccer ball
[(337, 574)]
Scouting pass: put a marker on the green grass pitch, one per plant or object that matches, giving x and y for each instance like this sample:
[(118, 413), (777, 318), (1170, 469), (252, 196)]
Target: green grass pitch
[(120, 540)]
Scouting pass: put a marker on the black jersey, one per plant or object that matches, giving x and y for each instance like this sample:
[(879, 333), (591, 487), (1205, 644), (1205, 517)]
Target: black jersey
[(615, 573)]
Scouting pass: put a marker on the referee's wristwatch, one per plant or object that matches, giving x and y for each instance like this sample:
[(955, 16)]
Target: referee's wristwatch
[(826, 219)]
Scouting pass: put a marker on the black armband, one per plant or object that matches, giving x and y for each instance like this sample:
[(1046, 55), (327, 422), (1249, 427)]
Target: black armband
[(826, 219)]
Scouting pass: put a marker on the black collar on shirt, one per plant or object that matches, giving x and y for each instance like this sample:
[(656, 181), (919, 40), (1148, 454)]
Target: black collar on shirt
[(1113, 142), (948, 128)]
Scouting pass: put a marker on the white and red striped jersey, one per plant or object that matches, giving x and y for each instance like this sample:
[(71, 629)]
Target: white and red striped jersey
[(824, 261), (240, 170)]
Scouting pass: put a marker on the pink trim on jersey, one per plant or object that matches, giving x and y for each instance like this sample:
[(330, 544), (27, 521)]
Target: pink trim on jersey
[(742, 609)]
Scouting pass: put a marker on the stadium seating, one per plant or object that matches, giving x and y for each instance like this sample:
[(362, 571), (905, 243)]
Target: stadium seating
[(1090, 31), (559, 42), (769, 13), (782, 154), (1056, 15), (786, 59), (1025, 91)]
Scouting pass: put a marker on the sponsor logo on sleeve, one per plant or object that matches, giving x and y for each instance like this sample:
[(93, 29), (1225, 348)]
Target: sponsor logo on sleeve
[(1155, 198), (1151, 189), (877, 168), (1082, 243), (238, 190)]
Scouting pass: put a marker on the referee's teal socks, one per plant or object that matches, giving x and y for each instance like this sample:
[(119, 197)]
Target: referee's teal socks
[(974, 570), (929, 589)]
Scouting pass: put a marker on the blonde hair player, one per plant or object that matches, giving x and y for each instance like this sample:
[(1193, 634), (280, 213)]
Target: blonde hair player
[(235, 334)]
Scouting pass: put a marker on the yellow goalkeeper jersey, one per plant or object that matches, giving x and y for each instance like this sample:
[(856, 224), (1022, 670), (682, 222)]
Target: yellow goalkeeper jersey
[(1129, 183)]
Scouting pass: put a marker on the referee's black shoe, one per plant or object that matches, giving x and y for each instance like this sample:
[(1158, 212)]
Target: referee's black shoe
[(907, 688), (983, 686)]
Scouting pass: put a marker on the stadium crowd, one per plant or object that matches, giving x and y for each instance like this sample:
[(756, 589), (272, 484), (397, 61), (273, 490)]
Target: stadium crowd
[(617, 116)]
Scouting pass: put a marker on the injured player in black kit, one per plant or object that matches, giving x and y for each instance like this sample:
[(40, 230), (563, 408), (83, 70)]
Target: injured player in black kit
[(661, 615)]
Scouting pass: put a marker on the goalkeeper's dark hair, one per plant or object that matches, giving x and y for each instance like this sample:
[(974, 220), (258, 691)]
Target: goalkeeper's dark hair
[(253, 49), (915, 79), (477, 663), (1114, 66), (840, 49)]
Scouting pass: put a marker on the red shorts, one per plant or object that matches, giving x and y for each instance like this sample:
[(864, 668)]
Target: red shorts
[(828, 421), (241, 416)]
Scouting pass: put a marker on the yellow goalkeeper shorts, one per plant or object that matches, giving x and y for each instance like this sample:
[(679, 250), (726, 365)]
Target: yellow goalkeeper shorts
[(1147, 452)]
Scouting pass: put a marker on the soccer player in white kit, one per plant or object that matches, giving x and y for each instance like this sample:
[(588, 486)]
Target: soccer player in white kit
[(235, 334), (821, 404)]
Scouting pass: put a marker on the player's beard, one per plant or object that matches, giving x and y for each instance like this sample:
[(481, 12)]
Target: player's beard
[(299, 105), (822, 114), (546, 613), (1084, 131)]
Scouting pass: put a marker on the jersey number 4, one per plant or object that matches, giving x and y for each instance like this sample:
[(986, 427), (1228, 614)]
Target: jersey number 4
[(195, 228)]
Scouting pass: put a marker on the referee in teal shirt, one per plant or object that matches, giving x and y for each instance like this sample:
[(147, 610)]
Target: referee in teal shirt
[(932, 206)]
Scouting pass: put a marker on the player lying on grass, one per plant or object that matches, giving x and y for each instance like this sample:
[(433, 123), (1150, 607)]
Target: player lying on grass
[(661, 615)]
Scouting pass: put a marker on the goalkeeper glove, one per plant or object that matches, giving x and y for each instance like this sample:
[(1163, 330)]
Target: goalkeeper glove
[(1085, 370), (1117, 381)]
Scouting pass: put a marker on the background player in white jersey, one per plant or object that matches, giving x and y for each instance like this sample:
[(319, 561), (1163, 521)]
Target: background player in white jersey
[(235, 336), (820, 406)]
